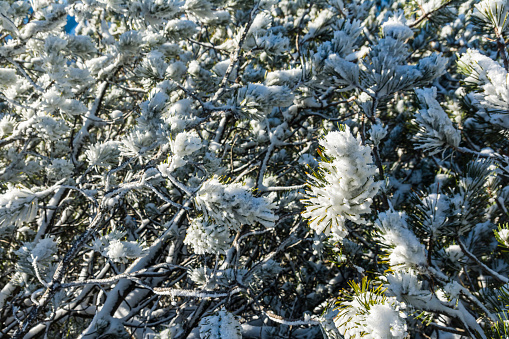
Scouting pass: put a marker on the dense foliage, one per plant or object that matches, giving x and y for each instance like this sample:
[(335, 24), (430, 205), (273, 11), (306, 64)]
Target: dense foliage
[(254, 168)]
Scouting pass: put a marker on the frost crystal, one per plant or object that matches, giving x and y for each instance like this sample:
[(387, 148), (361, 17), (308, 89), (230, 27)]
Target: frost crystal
[(179, 115), (113, 248), (373, 317), (199, 275), (161, 9), (385, 322), (7, 124), (121, 251), (436, 130), (344, 72), (233, 205), (205, 237), (129, 43), (407, 251), (288, 78), (153, 65), (406, 286), (318, 25), (396, 28), (45, 126), (455, 254), (266, 271), (18, 206), (185, 144), (136, 143), (103, 154), (178, 29), (220, 325), (43, 251), (492, 79), (176, 70), (344, 186)]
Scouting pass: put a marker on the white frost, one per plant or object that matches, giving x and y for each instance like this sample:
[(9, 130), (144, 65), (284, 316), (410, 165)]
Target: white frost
[(347, 188)]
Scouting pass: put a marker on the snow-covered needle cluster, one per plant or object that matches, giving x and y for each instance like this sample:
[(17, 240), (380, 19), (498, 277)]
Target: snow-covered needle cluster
[(406, 249), (344, 185), (370, 314), (233, 205), (492, 80), (436, 129), (254, 169), (220, 325)]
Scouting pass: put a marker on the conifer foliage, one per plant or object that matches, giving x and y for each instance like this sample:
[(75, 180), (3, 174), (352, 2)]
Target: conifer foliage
[(254, 169)]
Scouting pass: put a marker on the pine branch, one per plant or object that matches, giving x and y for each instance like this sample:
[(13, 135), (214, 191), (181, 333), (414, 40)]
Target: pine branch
[(485, 268), (426, 15)]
